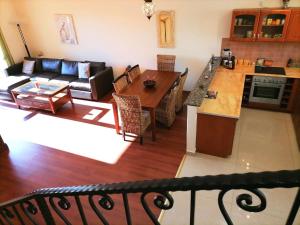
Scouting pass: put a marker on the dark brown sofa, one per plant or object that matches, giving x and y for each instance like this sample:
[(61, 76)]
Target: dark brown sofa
[(63, 71)]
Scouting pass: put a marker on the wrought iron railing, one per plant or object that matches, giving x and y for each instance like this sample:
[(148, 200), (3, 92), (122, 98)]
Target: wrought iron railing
[(50, 205)]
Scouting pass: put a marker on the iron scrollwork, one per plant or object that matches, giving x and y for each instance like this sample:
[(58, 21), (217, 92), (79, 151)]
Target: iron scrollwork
[(7, 215), (244, 201), (105, 202), (30, 210), (100, 197), (162, 201), (64, 204)]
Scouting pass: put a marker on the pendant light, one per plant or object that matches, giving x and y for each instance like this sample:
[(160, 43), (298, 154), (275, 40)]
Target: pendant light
[(148, 8)]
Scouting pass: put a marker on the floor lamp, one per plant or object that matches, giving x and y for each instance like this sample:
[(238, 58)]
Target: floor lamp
[(23, 39)]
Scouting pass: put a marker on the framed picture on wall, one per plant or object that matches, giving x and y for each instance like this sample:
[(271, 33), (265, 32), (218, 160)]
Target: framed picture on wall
[(65, 28), (165, 24)]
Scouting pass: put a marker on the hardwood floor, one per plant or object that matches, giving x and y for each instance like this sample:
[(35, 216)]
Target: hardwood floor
[(29, 166)]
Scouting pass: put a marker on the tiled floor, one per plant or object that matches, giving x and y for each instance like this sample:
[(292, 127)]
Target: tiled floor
[(264, 141)]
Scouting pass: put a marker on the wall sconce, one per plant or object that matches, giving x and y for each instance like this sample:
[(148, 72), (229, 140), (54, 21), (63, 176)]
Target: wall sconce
[(148, 8)]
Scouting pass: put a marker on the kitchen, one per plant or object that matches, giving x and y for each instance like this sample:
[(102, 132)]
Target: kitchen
[(263, 74)]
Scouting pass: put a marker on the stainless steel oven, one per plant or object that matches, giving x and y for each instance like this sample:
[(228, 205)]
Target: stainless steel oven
[(267, 89)]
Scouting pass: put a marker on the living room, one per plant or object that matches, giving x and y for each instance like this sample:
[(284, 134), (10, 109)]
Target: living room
[(77, 144)]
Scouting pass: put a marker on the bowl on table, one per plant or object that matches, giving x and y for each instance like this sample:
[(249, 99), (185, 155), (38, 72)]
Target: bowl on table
[(149, 83)]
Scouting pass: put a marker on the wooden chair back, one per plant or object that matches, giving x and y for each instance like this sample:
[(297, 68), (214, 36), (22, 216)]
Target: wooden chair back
[(182, 80), (120, 83), (134, 72), (166, 63)]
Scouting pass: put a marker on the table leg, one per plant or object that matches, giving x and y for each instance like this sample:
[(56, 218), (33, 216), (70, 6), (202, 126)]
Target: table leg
[(51, 105), (70, 96), (15, 99), (116, 117), (153, 122)]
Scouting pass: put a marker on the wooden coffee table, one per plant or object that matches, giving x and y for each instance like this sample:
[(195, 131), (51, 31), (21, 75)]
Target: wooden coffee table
[(42, 95)]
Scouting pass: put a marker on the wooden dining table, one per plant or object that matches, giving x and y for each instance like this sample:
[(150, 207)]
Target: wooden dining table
[(150, 97)]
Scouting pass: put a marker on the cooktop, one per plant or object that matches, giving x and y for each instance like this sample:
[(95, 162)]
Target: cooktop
[(270, 70)]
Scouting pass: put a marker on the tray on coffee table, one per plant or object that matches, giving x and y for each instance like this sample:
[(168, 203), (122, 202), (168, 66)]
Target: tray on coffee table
[(42, 95)]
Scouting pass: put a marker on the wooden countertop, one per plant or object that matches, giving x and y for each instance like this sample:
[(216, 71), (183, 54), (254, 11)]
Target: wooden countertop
[(230, 84)]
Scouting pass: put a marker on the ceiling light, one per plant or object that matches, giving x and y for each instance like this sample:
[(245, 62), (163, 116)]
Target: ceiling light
[(148, 8)]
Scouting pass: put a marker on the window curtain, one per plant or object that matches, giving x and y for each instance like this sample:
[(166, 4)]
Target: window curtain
[(5, 51)]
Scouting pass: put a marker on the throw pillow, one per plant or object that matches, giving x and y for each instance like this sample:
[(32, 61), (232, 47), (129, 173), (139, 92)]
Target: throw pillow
[(84, 70), (28, 66)]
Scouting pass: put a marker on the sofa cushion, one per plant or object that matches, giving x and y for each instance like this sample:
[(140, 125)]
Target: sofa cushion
[(51, 65), (81, 94), (81, 84), (12, 82), (84, 70), (96, 67), (44, 77), (64, 79), (69, 68), (38, 64), (28, 66)]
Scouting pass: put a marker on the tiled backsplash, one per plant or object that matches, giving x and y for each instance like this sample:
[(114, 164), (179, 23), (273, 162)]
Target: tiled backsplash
[(278, 52)]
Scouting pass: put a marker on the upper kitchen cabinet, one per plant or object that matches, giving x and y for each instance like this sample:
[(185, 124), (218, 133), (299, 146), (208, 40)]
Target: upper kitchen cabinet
[(293, 32), (273, 24), (244, 24)]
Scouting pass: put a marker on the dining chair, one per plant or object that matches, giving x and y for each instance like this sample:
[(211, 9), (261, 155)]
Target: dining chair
[(182, 79), (165, 112), (166, 63), (134, 72), (122, 81), (134, 120)]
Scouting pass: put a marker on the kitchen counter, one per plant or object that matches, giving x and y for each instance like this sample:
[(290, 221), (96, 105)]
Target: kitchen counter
[(198, 93), (229, 84), (211, 123)]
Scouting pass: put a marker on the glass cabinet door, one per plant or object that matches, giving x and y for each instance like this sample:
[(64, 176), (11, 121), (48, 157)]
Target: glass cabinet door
[(273, 25), (244, 25)]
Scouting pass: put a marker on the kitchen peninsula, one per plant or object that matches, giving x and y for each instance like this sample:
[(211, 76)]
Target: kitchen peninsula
[(211, 122)]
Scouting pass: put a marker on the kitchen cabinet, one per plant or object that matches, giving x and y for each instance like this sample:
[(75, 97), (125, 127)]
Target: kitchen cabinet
[(273, 24), (269, 25), (247, 90), (293, 32), (287, 101), (296, 112), (289, 94), (244, 25), (215, 134)]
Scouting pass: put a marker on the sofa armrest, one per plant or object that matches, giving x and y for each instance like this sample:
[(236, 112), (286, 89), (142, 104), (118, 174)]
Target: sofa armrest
[(15, 69), (101, 83)]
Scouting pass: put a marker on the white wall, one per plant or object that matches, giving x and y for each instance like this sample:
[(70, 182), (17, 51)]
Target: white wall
[(116, 31), (8, 20)]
